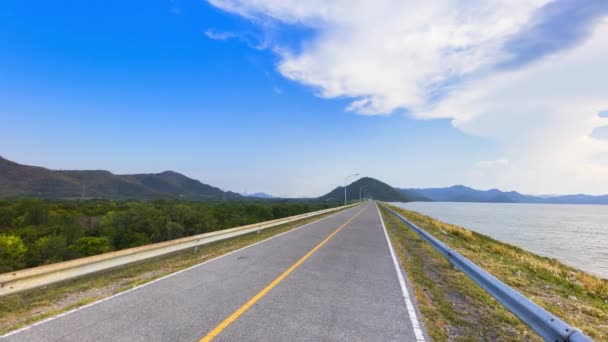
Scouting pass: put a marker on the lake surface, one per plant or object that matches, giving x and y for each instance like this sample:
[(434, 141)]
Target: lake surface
[(577, 235)]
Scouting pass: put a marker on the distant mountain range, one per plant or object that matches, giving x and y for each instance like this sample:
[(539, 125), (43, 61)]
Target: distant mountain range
[(23, 180), (460, 193), (260, 195), (372, 188), (18, 180)]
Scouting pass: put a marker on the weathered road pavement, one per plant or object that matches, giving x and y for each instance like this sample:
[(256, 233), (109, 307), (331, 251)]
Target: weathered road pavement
[(332, 280)]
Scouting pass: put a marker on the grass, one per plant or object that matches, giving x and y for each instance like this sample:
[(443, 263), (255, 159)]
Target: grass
[(454, 308), (28, 307)]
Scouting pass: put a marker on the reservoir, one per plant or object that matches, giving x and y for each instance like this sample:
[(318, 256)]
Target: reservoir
[(577, 235)]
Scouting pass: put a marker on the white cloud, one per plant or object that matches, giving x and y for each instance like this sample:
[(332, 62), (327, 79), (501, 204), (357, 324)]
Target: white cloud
[(435, 59), (543, 116), (389, 54)]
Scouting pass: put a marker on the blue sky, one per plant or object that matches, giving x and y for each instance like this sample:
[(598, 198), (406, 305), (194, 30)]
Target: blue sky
[(261, 97)]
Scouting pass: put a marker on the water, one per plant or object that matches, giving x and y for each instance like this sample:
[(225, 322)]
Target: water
[(577, 235)]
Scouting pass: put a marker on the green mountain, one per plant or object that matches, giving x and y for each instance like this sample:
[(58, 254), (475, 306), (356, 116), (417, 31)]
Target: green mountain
[(371, 188), (24, 180)]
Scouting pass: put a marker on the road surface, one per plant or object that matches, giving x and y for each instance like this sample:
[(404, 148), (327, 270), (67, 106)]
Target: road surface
[(332, 280)]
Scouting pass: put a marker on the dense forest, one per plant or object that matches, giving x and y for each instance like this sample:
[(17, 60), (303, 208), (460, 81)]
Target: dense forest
[(35, 232)]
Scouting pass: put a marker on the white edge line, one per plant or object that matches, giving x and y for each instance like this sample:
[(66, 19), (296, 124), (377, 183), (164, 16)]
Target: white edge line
[(159, 279), (406, 295)]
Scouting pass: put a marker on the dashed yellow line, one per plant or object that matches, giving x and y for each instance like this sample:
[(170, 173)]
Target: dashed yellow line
[(217, 330)]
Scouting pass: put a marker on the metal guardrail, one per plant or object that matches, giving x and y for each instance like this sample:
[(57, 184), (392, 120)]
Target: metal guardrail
[(547, 325), (21, 280)]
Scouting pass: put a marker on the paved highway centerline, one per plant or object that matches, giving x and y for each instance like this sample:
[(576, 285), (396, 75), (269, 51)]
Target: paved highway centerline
[(234, 316)]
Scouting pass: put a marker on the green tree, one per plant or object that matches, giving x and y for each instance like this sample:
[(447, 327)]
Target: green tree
[(6, 216), (47, 249), (90, 245), (34, 211), (12, 253), (71, 231), (138, 239), (140, 224), (171, 230), (28, 234)]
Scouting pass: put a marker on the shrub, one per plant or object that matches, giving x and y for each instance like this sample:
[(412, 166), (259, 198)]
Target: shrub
[(12, 253), (91, 245), (47, 249)]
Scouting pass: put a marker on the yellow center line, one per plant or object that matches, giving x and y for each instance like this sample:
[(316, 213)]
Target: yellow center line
[(217, 330)]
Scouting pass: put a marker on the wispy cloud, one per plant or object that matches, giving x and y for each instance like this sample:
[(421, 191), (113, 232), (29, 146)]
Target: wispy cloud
[(219, 35), (254, 40)]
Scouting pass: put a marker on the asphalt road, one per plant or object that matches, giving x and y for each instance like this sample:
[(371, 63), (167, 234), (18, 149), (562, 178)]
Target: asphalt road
[(332, 280)]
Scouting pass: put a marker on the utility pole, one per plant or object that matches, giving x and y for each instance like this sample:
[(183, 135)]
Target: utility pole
[(345, 180), (361, 188)]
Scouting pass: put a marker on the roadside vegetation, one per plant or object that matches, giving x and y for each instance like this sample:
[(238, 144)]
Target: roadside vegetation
[(454, 308), (34, 232), (25, 308)]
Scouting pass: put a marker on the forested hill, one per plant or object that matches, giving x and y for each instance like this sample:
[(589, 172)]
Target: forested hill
[(367, 187), (23, 180)]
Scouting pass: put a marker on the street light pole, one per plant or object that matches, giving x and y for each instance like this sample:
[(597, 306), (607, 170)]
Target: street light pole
[(345, 180), (361, 188)]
